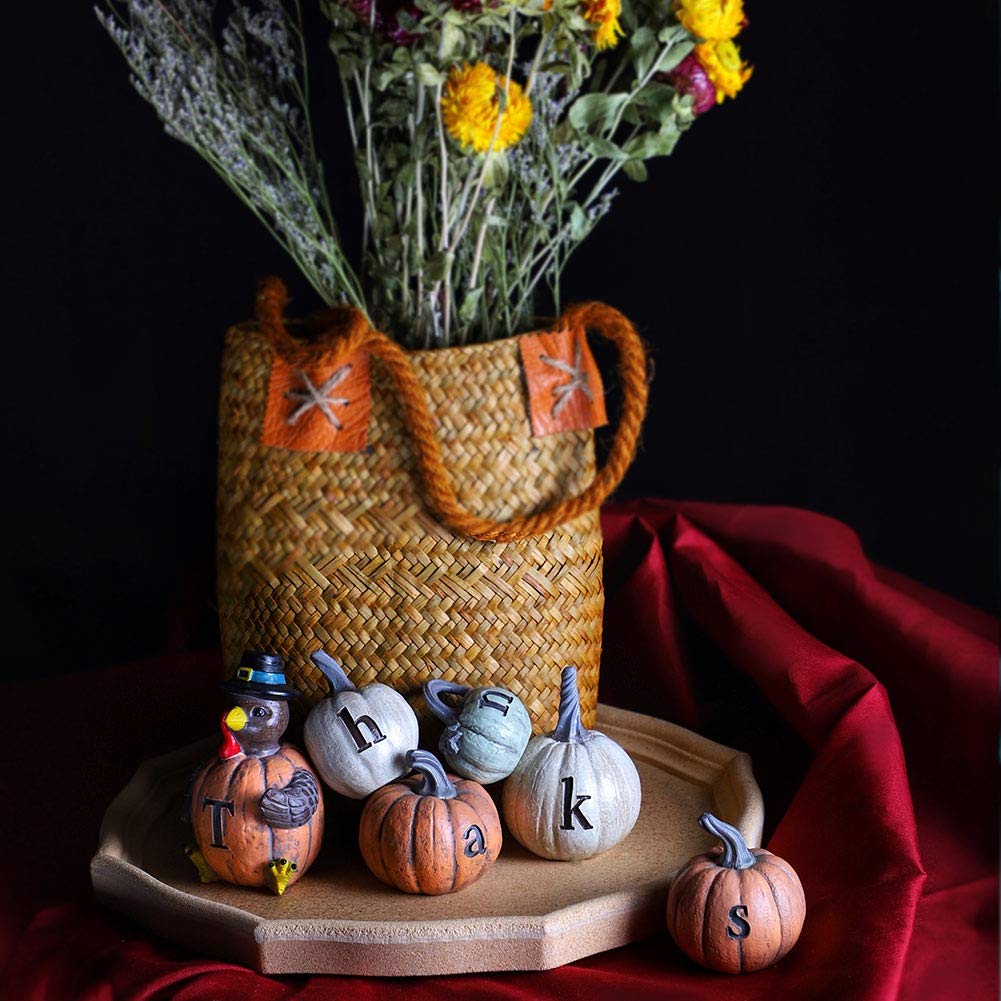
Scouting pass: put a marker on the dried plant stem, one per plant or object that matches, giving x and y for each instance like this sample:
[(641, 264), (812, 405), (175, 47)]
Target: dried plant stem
[(474, 271), (239, 96), (419, 195), (443, 286), (536, 62), (464, 223)]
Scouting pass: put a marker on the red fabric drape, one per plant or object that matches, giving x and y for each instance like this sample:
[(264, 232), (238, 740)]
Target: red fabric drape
[(868, 703)]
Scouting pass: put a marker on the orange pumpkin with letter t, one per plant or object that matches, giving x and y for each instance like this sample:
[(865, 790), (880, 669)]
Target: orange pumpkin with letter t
[(256, 807)]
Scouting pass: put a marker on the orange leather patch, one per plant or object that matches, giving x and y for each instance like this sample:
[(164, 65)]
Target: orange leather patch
[(564, 385), (319, 408)]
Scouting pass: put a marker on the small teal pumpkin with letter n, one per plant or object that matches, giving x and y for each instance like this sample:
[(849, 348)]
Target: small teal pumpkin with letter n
[(485, 734)]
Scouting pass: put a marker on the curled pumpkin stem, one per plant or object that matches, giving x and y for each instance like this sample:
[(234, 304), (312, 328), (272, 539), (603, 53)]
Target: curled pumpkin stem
[(333, 672), (569, 728), (435, 781), (736, 854), (433, 692)]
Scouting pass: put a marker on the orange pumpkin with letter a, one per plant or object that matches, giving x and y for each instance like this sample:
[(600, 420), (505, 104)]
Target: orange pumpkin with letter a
[(430, 833)]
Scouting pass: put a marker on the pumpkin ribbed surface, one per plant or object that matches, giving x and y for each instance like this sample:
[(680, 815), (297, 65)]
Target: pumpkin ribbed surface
[(250, 842), (736, 920), (534, 797), (423, 844)]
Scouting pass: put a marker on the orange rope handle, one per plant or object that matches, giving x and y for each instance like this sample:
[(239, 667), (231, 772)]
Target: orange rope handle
[(360, 335)]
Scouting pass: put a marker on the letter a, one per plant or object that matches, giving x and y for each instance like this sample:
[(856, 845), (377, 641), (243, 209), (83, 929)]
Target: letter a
[(476, 846), (571, 808)]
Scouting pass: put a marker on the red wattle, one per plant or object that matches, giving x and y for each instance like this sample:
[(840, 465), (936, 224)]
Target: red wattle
[(230, 747)]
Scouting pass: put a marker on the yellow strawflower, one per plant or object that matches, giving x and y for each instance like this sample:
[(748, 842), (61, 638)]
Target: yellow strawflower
[(724, 67), (711, 20), (604, 15), (471, 103)]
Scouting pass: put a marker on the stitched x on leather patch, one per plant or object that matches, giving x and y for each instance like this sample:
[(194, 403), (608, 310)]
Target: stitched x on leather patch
[(318, 408), (564, 387)]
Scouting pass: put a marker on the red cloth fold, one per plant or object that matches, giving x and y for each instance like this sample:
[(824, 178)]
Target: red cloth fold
[(868, 704)]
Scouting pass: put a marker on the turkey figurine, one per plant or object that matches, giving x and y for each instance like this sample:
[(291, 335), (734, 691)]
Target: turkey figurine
[(255, 806)]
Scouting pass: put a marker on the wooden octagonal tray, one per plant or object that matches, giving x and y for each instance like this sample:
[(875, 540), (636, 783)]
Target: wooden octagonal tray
[(525, 914)]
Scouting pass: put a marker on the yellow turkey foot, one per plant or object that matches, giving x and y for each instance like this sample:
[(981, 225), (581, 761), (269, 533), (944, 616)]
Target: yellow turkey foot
[(205, 874), (280, 871)]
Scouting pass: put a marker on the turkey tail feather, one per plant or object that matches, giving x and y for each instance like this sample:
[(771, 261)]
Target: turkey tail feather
[(293, 805)]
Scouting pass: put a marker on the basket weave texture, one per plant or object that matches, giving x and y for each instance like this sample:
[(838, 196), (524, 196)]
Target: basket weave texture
[(338, 550)]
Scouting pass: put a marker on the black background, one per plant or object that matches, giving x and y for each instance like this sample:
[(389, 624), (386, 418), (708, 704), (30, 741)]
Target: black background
[(816, 268)]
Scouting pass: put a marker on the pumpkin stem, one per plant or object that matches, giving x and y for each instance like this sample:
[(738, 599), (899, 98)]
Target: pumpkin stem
[(332, 671), (433, 691), (569, 728), (436, 782), (736, 854)]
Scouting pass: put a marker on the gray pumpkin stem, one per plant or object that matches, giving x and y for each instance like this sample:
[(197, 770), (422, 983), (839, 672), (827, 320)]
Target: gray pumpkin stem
[(332, 671), (433, 691), (569, 728), (736, 854), (451, 739), (436, 782)]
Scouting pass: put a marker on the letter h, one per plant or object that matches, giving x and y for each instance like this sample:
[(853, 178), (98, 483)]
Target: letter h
[(354, 728)]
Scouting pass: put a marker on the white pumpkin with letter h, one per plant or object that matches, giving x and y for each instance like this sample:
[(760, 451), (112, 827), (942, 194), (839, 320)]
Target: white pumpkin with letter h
[(358, 738), (575, 792)]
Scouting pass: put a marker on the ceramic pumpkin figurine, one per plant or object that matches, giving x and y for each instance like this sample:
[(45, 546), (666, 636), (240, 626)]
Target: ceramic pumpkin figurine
[(735, 910), (429, 833), (358, 738), (486, 735), (255, 806), (575, 793)]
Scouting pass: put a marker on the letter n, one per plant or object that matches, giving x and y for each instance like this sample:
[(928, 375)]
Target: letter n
[(501, 701)]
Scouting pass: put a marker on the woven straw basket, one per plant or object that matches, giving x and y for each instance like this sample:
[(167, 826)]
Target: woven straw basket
[(354, 553)]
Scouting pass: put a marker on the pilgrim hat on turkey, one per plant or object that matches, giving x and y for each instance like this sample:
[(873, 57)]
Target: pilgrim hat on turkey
[(261, 675)]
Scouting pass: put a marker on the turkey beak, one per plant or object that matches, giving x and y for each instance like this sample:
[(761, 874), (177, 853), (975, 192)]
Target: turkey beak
[(235, 719)]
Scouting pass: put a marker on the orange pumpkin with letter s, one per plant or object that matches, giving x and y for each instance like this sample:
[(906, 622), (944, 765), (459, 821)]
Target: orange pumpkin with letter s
[(735, 910), (429, 833)]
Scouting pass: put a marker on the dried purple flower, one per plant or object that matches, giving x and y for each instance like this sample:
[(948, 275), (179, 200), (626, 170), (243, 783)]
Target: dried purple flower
[(385, 20), (397, 34), (688, 77)]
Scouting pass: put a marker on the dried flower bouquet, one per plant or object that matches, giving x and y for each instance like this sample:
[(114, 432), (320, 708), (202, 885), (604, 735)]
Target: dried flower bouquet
[(487, 134)]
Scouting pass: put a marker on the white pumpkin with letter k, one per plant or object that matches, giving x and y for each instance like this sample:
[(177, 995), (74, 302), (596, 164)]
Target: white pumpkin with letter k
[(575, 793)]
